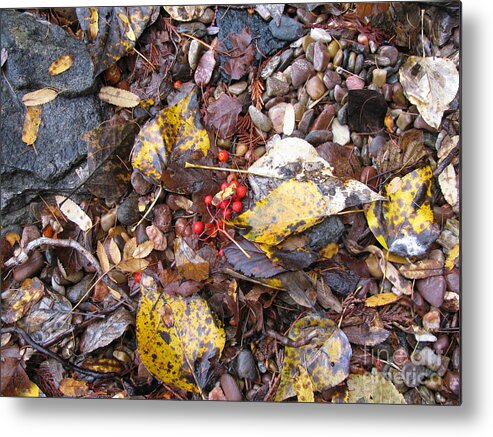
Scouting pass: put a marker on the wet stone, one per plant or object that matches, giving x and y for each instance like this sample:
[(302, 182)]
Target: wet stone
[(301, 71), (276, 87), (259, 119), (238, 88), (276, 115), (192, 28), (359, 63), (285, 59), (320, 35), (321, 56), (317, 137), (315, 88), (379, 77), (331, 79), (342, 114), (194, 53), (246, 367), (270, 67), (338, 58), (324, 119), (77, 291), (128, 211), (404, 120), (389, 52), (333, 49), (432, 289), (288, 30), (306, 17), (351, 63), (306, 121), (355, 83), (339, 93)]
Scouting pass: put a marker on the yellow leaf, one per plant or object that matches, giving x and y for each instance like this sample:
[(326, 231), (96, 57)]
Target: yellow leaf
[(291, 208), (143, 249), (58, 66), (93, 23), (452, 257), (103, 258), (129, 248), (32, 121), (175, 335), (73, 388), (381, 299), (189, 264), (184, 13), (133, 265), (303, 386), (223, 195), (325, 357), (176, 128), (372, 389), (118, 97), (32, 392), (74, 213), (404, 223), (39, 97), (115, 254), (129, 32), (16, 302)]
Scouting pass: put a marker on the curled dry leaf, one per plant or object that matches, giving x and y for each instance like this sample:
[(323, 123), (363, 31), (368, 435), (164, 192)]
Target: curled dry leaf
[(133, 265), (189, 264), (39, 97), (223, 114), (74, 213), (422, 269), (103, 258), (115, 254), (326, 357), (431, 84), (73, 388), (157, 237), (366, 335), (58, 66), (118, 97), (449, 184), (177, 336), (32, 121), (143, 249)]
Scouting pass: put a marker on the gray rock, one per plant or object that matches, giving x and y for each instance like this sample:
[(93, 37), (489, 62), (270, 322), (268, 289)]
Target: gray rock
[(331, 79), (246, 367), (259, 119), (32, 45), (128, 211), (77, 291), (432, 289), (317, 137), (270, 67), (389, 52), (59, 151), (288, 30), (276, 87), (301, 71), (192, 28), (286, 58)]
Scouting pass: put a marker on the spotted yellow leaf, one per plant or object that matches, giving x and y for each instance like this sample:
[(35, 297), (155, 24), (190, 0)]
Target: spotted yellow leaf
[(404, 224), (381, 299), (325, 357), (303, 386), (452, 257), (177, 337), (184, 13), (61, 64), (372, 389), (32, 121), (175, 129), (16, 302)]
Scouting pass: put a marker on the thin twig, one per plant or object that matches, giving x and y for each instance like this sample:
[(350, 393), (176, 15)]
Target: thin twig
[(149, 209), (27, 338), (286, 341), (24, 255), (232, 170)]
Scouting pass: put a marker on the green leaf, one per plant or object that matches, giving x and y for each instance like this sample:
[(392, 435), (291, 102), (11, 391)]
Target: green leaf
[(176, 336), (326, 357)]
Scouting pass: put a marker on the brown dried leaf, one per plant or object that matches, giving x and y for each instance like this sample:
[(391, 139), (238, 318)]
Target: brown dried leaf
[(39, 97), (143, 249), (115, 254), (157, 237), (422, 269), (223, 115), (118, 97), (365, 335), (189, 264), (133, 265), (103, 258), (32, 121), (242, 54), (58, 66), (73, 388)]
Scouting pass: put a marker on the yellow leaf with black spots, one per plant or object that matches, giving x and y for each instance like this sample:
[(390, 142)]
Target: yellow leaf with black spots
[(184, 13), (16, 302), (325, 357), (404, 224), (290, 208), (372, 389), (61, 64), (177, 337), (303, 386), (175, 134), (381, 299), (32, 121)]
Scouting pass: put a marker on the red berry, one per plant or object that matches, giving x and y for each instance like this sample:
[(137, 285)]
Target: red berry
[(137, 276), (198, 228), (227, 213), (223, 156), (241, 191), (208, 200), (223, 205), (237, 206), (221, 252), (224, 185), (235, 183)]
